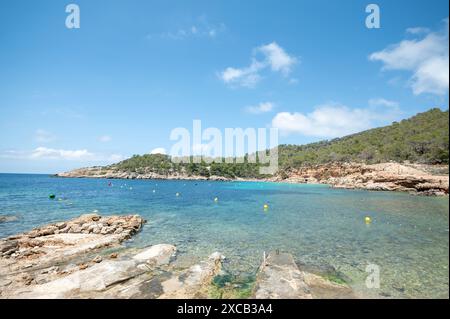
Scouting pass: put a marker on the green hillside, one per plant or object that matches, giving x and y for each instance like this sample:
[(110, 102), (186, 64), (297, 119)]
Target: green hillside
[(423, 138)]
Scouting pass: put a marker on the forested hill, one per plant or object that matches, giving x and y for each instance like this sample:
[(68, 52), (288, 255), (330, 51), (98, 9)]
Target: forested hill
[(424, 138)]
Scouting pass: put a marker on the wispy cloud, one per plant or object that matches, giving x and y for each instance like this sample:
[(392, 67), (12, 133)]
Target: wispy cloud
[(274, 58), (201, 29), (45, 153), (43, 136), (332, 120), (66, 112), (105, 138), (417, 30), (263, 107), (159, 150), (50, 153), (383, 102), (426, 57)]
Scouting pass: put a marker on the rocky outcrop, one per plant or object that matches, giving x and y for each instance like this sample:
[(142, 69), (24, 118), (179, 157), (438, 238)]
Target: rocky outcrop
[(49, 252), (378, 177), (279, 277), (84, 233), (83, 258)]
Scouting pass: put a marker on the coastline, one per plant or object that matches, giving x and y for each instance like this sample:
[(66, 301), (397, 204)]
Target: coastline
[(419, 179)]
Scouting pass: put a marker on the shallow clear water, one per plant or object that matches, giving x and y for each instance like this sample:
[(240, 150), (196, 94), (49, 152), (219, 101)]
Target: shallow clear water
[(408, 238)]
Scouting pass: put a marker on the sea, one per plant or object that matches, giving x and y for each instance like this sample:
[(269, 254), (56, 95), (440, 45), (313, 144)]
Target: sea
[(404, 247)]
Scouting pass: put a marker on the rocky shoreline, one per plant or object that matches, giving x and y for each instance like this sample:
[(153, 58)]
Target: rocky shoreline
[(415, 179), (85, 258), (418, 179)]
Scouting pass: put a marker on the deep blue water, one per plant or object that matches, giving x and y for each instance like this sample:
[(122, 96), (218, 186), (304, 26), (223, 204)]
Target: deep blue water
[(408, 238)]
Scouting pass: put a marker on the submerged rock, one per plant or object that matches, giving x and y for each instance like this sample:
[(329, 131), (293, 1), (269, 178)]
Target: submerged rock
[(8, 218), (279, 277), (193, 282), (157, 254)]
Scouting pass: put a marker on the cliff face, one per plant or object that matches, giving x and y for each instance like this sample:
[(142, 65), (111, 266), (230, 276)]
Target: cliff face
[(420, 179), (383, 177)]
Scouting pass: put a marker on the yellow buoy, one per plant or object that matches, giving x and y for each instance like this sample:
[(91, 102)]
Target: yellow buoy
[(368, 220), (266, 206)]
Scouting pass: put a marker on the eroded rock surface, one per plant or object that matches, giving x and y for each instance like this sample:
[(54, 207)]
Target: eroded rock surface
[(81, 234), (157, 254), (50, 252), (412, 178), (193, 282), (279, 277)]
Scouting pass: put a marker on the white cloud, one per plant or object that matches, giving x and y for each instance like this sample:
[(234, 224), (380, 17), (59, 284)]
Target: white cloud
[(331, 120), (159, 150), (274, 57), (260, 108), (277, 58), (427, 58), (50, 153), (105, 138), (43, 136), (247, 77), (382, 102), (44, 153)]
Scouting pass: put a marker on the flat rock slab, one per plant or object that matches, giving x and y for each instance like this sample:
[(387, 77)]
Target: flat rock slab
[(192, 282), (94, 279), (157, 254), (280, 278), (132, 277)]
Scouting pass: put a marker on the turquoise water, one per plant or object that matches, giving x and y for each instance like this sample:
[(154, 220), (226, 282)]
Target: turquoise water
[(408, 238)]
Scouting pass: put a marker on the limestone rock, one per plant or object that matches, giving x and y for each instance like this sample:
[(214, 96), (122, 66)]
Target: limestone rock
[(157, 254), (93, 279), (280, 278), (191, 282)]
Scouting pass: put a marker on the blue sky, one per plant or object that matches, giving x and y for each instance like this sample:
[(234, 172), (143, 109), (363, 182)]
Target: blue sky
[(135, 70)]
